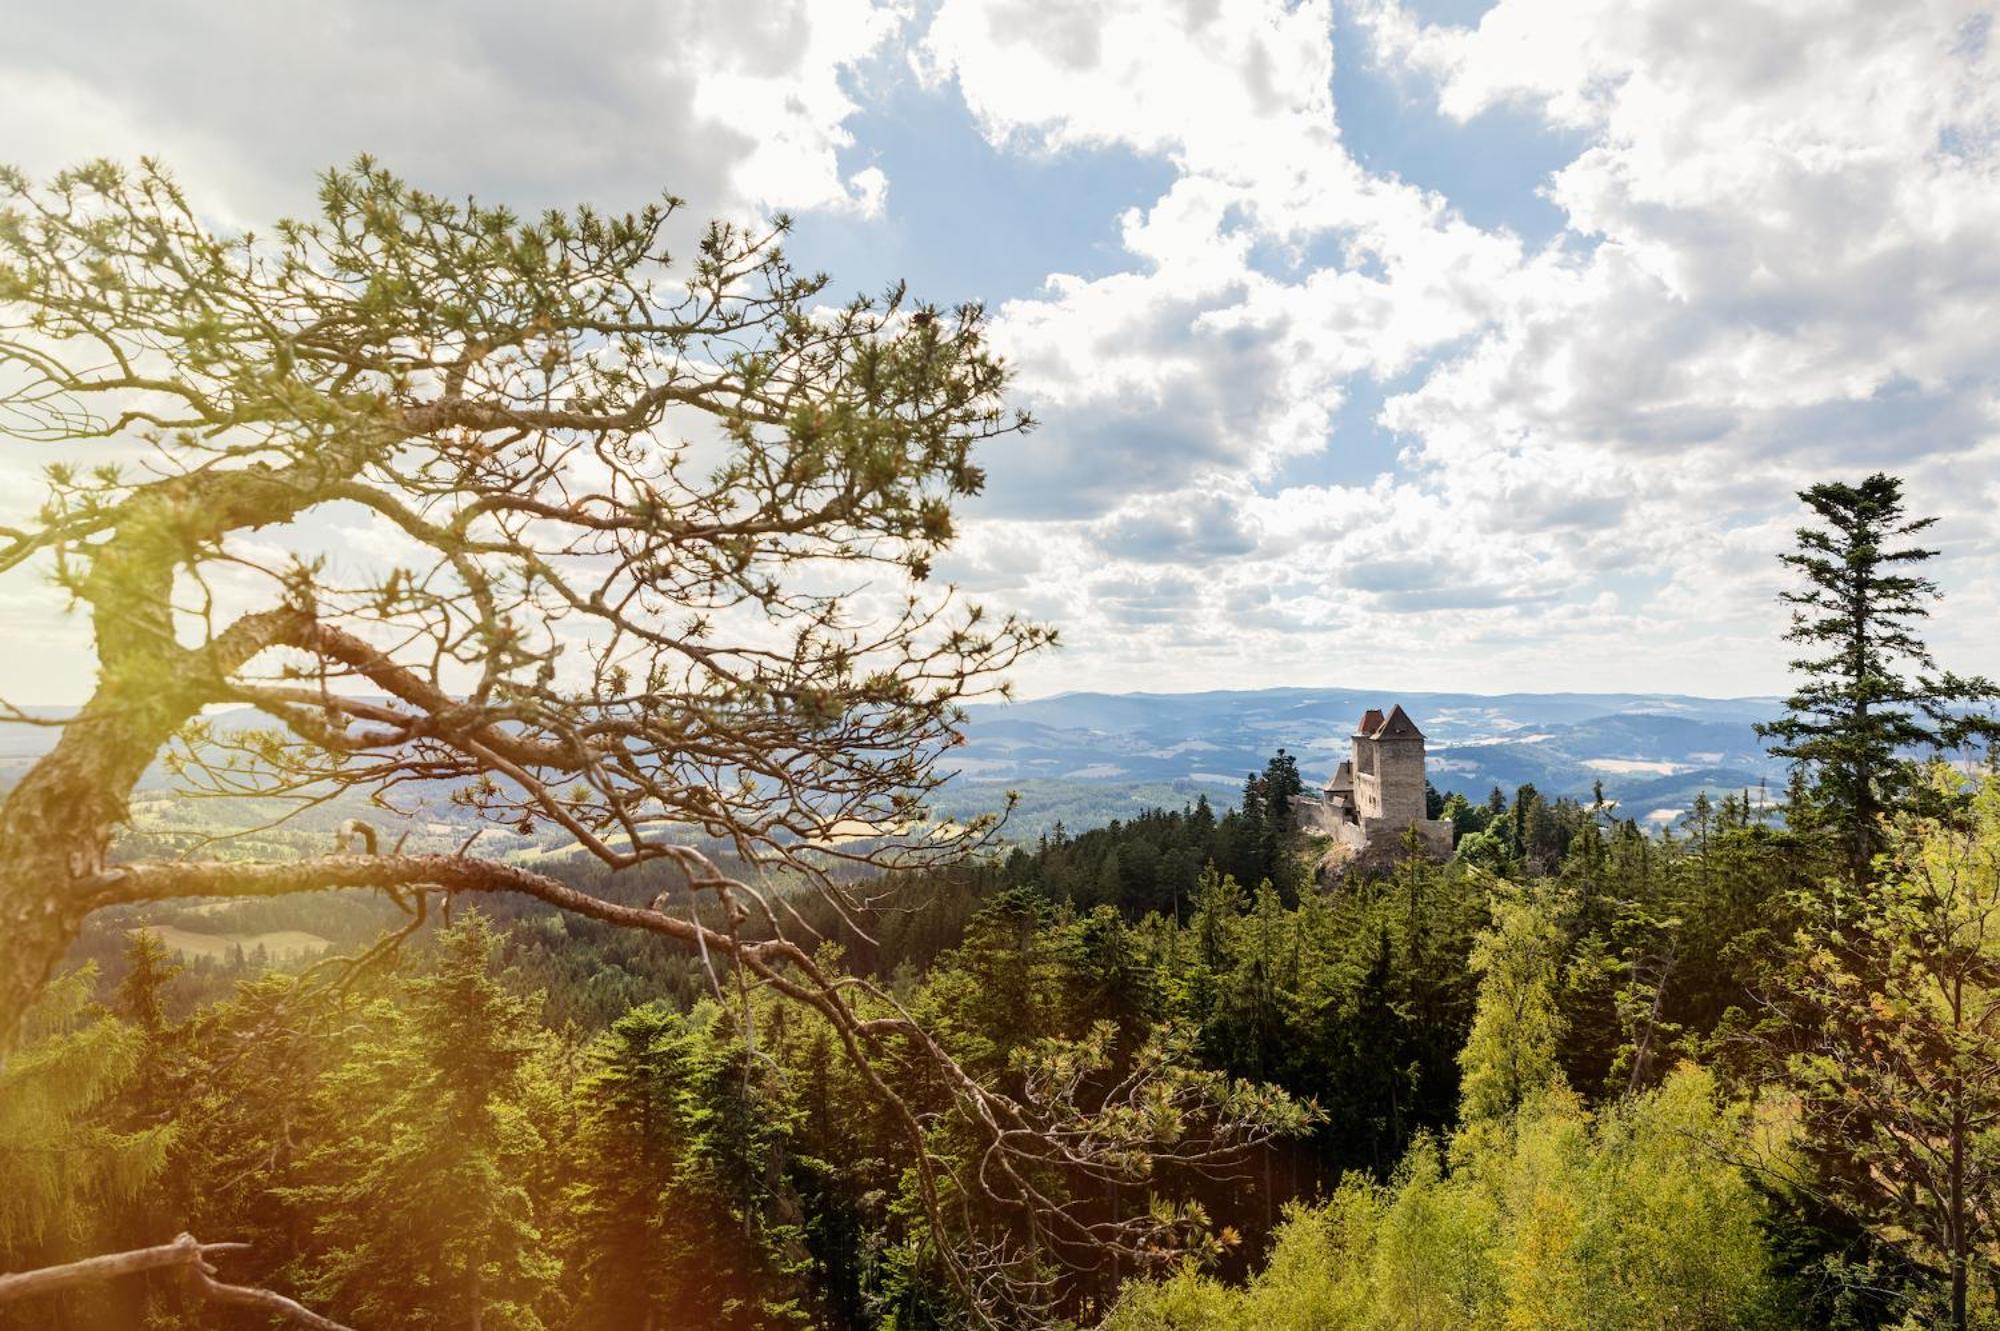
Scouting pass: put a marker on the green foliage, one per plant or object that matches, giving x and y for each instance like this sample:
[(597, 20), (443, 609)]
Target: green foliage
[(1149, 862), (675, 1205), (1466, 1088), (419, 1212), (1886, 1008), (67, 1169), (405, 1144), (1516, 1026), (1870, 691), (1075, 1016), (1632, 1220)]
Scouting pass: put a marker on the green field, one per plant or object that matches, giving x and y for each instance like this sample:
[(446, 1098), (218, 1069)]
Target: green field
[(276, 944)]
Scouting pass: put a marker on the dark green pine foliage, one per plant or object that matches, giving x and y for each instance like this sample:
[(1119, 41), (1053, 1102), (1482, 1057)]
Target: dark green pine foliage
[(141, 998), (249, 1116), (67, 1171), (382, 1143), (622, 1239), (1265, 840), (1282, 785), (150, 1104), (1870, 692), (1251, 852), (422, 1220), (677, 1208)]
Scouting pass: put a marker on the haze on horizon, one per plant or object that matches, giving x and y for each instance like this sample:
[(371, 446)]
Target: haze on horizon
[(1425, 344)]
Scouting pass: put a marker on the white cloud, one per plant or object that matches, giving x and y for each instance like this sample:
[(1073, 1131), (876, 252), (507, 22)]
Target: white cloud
[(780, 86), (1270, 275), (610, 102), (1775, 265), (1777, 268), (1792, 277)]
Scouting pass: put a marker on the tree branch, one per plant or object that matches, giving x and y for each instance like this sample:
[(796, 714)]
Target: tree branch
[(185, 1252)]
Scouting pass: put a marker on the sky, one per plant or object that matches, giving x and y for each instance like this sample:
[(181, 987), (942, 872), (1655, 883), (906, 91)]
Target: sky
[(1436, 345)]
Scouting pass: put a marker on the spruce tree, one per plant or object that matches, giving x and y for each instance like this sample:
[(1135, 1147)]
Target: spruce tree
[(156, 1095), (1248, 862), (642, 1250), (1871, 692), (65, 1166), (141, 998), (1282, 784), (420, 1219)]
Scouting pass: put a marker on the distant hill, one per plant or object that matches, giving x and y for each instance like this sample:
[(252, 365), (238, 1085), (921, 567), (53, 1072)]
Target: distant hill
[(1651, 751), (1083, 759)]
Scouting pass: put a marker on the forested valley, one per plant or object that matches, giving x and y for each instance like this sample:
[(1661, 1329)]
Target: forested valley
[(503, 1092), (1525, 1083)]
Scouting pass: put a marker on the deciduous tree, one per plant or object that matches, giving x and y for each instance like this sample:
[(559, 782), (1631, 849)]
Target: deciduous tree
[(1893, 1013)]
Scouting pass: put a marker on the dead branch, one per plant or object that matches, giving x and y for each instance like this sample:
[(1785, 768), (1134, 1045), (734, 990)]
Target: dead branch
[(185, 1253)]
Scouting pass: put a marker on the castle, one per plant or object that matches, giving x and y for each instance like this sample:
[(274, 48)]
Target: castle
[(1377, 795)]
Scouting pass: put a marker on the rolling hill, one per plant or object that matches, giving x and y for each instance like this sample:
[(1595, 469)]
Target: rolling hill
[(1080, 753), (1084, 758)]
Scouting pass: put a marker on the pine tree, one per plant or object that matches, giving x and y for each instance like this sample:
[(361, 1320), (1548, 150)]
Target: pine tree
[(626, 1239), (66, 1169), (1893, 1044), (155, 1095), (421, 1218), (1857, 711), (732, 1179), (1280, 786), (1201, 822), (142, 993), (1248, 862), (142, 1000), (248, 1114)]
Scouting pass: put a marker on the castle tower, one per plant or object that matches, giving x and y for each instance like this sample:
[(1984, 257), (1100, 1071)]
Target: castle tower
[(1399, 770), (1367, 803), (1376, 797)]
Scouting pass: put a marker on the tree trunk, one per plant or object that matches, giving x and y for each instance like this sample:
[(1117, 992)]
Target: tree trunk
[(1960, 1125), (1959, 1254), (56, 825)]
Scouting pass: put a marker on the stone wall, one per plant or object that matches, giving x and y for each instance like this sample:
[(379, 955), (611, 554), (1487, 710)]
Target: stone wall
[(1379, 847), (1399, 765)]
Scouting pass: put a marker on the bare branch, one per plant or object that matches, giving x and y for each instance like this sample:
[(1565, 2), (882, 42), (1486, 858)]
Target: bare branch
[(185, 1253)]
